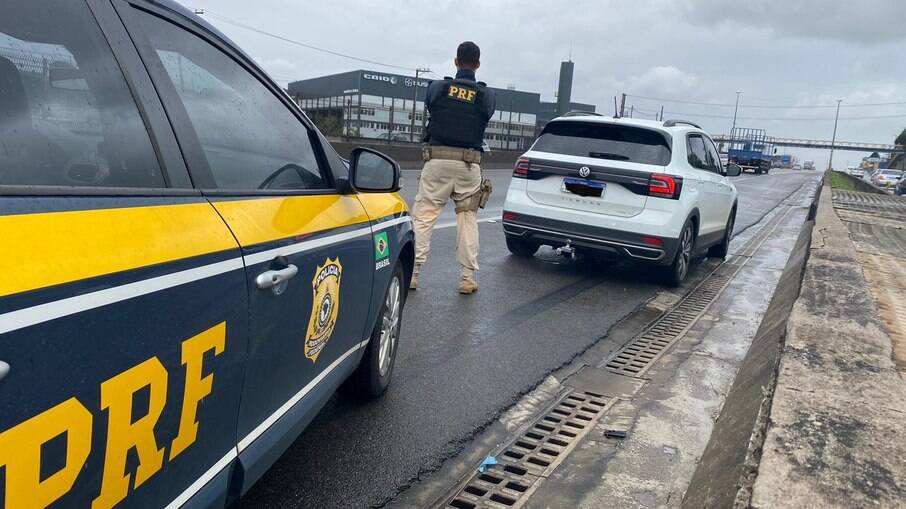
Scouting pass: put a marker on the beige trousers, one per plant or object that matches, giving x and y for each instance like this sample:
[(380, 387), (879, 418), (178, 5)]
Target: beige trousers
[(440, 180)]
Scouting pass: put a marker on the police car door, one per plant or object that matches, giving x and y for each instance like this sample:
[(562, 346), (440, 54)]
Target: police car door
[(123, 303), (308, 249)]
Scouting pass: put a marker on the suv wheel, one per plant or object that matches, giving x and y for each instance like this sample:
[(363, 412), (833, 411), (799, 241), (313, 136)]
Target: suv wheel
[(523, 248), (676, 273), (721, 250)]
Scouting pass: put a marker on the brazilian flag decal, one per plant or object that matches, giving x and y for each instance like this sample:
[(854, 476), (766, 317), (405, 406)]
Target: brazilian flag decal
[(381, 246)]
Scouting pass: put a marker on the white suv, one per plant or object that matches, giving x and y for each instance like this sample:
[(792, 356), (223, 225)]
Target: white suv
[(651, 191)]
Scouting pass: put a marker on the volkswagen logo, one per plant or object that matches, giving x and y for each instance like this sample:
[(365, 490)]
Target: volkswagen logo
[(584, 171)]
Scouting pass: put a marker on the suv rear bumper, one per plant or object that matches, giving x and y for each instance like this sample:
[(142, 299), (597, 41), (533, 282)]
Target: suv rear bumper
[(556, 233)]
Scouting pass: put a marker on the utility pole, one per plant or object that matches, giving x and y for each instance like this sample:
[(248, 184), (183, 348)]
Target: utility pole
[(631, 109), (830, 161), (735, 109), (415, 100), (662, 113), (622, 105)]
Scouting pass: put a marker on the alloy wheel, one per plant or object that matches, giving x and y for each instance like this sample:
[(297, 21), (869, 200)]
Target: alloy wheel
[(390, 322)]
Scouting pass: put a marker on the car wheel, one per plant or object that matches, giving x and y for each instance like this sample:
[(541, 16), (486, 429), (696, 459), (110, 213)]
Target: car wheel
[(372, 377), (721, 250), (521, 247), (676, 272)]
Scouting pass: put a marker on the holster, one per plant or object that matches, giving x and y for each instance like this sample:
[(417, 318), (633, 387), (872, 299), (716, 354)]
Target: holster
[(479, 199)]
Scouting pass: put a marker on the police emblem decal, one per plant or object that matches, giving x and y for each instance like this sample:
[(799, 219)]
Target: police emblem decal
[(325, 307), (584, 171)]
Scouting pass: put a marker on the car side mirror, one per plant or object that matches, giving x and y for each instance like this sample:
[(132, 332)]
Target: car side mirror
[(373, 172), (733, 170)]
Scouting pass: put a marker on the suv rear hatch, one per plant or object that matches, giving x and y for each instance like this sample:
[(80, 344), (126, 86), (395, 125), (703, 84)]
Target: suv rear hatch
[(596, 167)]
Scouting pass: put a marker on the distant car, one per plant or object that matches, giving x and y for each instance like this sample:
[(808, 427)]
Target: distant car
[(900, 188), (797, 166), (887, 178), (857, 172), (808, 165), (645, 190), (867, 177)]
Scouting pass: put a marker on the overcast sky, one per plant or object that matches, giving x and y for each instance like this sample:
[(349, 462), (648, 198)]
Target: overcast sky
[(776, 52)]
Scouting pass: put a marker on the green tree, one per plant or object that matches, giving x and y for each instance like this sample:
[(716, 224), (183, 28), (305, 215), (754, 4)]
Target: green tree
[(901, 139)]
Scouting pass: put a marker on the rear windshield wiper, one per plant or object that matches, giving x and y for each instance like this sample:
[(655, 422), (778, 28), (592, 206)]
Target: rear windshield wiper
[(608, 155)]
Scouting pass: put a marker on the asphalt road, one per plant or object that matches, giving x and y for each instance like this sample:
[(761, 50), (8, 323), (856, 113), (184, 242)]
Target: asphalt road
[(464, 359)]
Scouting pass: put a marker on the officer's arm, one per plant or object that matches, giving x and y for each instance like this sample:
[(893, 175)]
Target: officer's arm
[(491, 103), (434, 89)]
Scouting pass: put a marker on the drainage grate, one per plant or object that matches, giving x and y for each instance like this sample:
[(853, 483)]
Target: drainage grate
[(639, 355), (533, 455), (635, 358)]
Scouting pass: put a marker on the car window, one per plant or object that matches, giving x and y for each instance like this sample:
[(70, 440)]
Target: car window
[(604, 141), (67, 117), (249, 137), (714, 163), (698, 155)]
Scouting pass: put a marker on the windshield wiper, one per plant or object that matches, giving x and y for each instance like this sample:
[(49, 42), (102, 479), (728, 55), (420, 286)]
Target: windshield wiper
[(608, 155)]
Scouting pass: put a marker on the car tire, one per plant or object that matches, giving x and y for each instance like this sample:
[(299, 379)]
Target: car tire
[(372, 377), (721, 250), (675, 273), (522, 248)]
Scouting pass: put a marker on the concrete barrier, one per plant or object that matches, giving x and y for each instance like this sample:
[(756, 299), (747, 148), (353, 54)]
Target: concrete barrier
[(728, 467), (409, 155), (860, 184)]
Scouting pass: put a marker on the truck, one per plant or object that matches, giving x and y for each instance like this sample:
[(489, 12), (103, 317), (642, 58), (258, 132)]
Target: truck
[(750, 149)]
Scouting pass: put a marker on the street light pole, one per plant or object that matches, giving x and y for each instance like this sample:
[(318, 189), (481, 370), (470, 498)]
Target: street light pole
[(414, 100), (830, 161), (735, 109)]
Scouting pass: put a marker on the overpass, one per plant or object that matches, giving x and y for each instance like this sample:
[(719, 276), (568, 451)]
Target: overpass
[(826, 144)]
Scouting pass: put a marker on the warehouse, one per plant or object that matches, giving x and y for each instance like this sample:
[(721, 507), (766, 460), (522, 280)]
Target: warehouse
[(377, 105)]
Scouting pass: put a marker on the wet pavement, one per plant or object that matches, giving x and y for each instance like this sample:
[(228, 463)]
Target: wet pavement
[(464, 360)]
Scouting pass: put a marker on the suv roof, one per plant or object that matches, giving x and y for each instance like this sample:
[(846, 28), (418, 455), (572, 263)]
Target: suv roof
[(669, 126)]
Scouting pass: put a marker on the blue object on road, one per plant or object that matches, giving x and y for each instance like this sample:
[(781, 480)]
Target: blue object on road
[(488, 461)]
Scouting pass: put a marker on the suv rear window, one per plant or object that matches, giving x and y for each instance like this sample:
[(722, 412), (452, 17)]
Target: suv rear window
[(605, 141)]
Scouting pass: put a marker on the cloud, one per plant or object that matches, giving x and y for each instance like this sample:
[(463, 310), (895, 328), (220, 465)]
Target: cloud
[(865, 22)]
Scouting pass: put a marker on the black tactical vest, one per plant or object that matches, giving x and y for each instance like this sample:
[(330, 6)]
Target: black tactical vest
[(460, 116)]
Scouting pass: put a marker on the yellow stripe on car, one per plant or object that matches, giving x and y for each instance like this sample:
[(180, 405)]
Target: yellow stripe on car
[(292, 216), (88, 243)]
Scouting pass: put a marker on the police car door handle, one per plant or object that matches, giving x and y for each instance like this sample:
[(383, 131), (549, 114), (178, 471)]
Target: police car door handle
[(276, 278), (4, 369)]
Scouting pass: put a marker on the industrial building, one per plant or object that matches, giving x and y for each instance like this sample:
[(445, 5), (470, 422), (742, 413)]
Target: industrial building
[(377, 105)]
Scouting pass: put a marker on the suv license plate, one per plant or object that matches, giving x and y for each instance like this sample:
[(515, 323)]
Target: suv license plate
[(583, 187)]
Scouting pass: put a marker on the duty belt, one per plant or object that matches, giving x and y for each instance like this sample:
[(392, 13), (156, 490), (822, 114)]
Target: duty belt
[(468, 155)]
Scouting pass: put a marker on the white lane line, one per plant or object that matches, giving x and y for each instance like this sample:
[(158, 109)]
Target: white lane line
[(267, 423)]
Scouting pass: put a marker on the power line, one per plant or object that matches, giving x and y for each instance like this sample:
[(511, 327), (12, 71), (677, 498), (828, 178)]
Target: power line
[(763, 106), (302, 44), (703, 115)]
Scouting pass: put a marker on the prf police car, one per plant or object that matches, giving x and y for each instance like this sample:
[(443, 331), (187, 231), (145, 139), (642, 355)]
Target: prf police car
[(189, 271)]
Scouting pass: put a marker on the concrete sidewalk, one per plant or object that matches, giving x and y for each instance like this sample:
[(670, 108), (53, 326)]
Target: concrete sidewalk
[(838, 417)]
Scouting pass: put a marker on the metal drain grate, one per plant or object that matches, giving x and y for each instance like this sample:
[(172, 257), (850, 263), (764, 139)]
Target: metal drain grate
[(636, 357), (639, 355), (532, 456)]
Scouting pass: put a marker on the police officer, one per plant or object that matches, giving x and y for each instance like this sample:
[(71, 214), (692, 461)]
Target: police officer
[(459, 109)]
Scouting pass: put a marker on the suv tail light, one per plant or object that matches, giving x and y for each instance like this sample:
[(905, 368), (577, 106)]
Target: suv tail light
[(521, 169), (665, 186)]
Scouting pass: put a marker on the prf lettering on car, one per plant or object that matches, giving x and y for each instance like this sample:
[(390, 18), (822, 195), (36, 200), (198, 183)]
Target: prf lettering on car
[(29, 486), (464, 94)]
